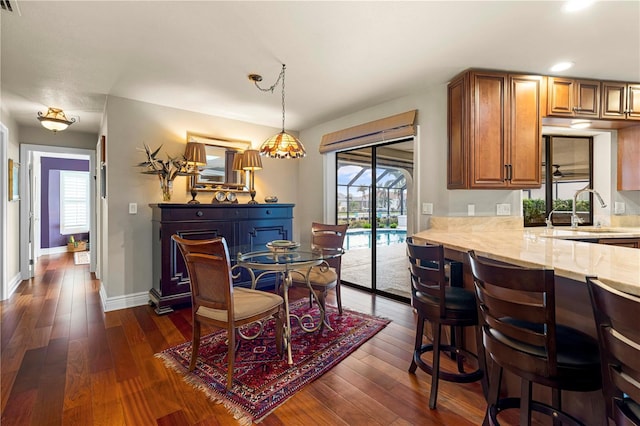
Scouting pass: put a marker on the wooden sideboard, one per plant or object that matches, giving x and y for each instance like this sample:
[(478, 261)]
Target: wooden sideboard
[(247, 225)]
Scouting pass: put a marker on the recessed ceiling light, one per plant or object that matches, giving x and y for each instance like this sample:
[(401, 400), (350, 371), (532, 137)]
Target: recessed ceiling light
[(580, 124), (577, 5), (562, 66)]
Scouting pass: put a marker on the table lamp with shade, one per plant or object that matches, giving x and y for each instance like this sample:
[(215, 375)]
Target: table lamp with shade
[(251, 161), (196, 157)]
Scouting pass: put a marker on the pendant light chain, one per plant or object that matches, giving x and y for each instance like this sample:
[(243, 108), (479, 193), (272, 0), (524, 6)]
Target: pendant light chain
[(270, 89)]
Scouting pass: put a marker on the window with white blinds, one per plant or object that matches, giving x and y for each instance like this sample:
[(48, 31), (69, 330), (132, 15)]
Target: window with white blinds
[(74, 202)]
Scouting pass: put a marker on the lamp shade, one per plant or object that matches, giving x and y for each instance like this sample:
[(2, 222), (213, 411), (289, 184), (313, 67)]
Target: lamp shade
[(238, 159), (195, 154), (282, 145), (251, 160), (54, 120)]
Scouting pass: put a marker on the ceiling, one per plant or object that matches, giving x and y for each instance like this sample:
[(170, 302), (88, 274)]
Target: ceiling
[(341, 57)]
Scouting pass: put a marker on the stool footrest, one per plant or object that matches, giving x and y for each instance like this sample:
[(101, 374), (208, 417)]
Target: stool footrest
[(512, 402), (461, 377)]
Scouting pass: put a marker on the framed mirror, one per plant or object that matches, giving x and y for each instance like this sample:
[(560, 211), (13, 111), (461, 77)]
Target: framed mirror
[(218, 173)]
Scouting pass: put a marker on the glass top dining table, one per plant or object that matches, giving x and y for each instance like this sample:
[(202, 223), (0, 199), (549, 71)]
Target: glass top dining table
[(283, 261)]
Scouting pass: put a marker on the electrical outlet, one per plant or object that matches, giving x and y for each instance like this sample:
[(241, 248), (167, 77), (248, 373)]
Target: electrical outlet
[(503, 209), (619, 208), (471, 209), (427, 208), (133, 208)]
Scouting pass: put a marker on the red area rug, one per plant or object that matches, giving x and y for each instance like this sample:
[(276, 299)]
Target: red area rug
[(262, 379)]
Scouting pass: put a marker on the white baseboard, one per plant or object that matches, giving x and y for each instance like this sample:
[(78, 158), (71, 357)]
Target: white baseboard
[(12, 286), (122, 302), (53, 250)]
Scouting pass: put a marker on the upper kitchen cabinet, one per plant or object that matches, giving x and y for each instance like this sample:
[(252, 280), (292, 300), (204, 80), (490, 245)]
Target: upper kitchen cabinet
[(494, 127), (573, 98), (629, 158), (620, 101)]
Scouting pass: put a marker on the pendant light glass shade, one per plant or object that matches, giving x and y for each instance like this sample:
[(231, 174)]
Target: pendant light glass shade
[(282, 145), (54, 120)]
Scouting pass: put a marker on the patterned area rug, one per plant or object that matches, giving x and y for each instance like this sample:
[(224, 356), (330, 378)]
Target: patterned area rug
[(262, 379)]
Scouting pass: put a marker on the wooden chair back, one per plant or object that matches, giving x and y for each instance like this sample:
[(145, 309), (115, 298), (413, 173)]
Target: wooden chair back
[(426, 264), (616, 316), (517, 307), (209, 268), (329, 237)]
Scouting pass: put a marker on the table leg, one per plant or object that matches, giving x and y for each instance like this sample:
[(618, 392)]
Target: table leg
[(287, 323)]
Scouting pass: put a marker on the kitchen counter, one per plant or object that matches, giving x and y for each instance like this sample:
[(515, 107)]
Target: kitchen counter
[(553, 248)]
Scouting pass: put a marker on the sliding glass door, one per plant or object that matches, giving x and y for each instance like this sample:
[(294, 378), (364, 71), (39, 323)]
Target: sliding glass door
[(372, 197)]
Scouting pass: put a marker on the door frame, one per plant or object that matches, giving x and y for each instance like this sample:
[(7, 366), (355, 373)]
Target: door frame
[(4, 194), (26, 155)]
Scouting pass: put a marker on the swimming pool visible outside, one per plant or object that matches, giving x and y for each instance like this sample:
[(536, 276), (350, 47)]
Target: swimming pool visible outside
[(361, 238)]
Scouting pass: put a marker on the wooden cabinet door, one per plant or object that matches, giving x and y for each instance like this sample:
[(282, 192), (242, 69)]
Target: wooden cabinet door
[(613, 100), (633, 102), (525, 127), (573, 98), (488, 135), (629, 159), (457, 130)]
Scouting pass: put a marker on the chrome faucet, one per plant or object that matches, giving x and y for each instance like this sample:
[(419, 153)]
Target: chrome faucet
[(548, 220), (575, 220)]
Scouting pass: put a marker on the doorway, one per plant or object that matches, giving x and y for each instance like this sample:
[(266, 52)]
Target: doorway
[(372, 188), (30, 222)]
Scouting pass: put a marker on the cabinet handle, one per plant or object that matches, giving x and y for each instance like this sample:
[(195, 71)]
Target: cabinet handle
[(507, 172), (268, 212), (199, 213)]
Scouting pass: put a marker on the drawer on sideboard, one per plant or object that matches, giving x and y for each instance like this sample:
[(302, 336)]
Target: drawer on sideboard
[(270, 212), (204, 214)]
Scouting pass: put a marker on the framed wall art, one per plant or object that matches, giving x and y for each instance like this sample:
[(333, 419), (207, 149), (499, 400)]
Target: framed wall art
[(14, 180)]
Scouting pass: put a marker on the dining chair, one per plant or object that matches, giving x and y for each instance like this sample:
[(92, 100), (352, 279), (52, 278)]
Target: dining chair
[(440, 304), (324, 277), (217, 302), (517, 314), (616, 314)]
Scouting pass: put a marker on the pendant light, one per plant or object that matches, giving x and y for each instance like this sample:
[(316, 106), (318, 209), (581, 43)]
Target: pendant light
[(54, 120), (283, 144)]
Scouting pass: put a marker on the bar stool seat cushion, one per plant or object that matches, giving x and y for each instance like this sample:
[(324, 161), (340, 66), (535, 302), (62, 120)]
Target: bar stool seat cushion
[(578, 356), (456, 299)]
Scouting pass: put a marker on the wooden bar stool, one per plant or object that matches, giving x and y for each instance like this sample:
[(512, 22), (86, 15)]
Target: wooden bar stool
[(440, 304), (517, 313), (617, 315)]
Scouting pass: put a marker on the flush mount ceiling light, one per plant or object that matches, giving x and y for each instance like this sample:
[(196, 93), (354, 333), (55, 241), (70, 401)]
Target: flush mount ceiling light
[(54, 120), (282, 145), (561, 66), (577, 5), (580, 124)]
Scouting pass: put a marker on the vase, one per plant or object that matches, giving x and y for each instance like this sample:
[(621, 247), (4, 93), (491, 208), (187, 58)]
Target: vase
[(167, 188)]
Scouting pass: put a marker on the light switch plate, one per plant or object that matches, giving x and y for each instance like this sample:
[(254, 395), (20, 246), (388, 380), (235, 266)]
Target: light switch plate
[(471, 209), (427, 208), (503, 209), (133, 208), (619, 207)]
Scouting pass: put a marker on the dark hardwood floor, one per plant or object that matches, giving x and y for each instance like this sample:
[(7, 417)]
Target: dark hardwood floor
[(65, 361)]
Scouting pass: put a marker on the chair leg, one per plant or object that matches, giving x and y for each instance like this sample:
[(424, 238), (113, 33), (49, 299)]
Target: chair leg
[(231, 354), (493, 394), (196, 345), (339, 297), (525, 403), (458, 345), (556, 403), (418, 344), (279, 332), (436, 366)]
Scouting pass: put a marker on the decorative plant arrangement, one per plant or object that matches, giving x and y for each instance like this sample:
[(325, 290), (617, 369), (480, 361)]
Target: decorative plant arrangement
[(167, 170)]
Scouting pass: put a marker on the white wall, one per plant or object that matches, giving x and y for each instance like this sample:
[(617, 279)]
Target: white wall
[(127, 238)]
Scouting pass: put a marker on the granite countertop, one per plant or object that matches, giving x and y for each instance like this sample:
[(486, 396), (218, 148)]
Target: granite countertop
[(554, 248)]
